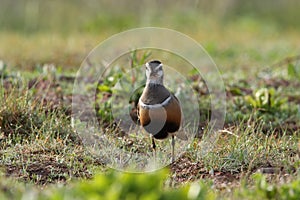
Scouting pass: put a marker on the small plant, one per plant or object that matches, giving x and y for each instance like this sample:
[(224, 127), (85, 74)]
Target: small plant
[(266, 100), (116, 185), (265, 190), (271, 108), (293, 71), (106, 88), (3, 70), (24, 118), (104, 93), (246, 148)]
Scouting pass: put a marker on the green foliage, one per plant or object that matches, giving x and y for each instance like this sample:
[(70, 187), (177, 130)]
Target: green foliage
[(104, 21), (149, 186), (33, 140), (247, 148), (116, 185), (138, 60), (266, 100), (3, 70), (96, 16), (104, 92), (127, 82), (266, 104), (23, 118), (265, 190), (293, 71), (10, 189)]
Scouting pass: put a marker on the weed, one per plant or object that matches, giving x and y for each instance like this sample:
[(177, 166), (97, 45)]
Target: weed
[(248, 148), (265, 190), (294, 71), (127, 82), (265, 100)]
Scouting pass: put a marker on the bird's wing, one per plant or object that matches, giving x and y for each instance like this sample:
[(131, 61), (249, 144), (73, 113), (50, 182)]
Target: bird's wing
[(180, 134)]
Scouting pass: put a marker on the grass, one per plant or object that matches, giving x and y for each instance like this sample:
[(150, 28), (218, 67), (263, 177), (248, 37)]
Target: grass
[(256, 155), (248, 148), (39, 146), (37, 142), (122, 186)]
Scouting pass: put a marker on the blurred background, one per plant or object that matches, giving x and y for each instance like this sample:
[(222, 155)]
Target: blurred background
[(236, 33), (31, 16)]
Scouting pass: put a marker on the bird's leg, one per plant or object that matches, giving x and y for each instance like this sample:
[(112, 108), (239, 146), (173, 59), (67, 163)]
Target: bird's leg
[(173, 146), (154, 147)]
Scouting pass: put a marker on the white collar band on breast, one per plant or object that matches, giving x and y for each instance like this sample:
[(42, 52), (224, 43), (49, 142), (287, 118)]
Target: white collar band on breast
[(159, 105)]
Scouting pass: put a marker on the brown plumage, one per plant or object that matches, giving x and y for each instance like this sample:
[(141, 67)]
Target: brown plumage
[(158, 110)]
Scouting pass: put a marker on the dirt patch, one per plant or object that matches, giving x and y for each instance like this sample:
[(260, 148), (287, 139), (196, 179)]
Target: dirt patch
[(44, 168), (186, 170), (48, 92)]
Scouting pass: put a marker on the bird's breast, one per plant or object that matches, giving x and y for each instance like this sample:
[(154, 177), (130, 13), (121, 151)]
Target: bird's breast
[(161, 120)]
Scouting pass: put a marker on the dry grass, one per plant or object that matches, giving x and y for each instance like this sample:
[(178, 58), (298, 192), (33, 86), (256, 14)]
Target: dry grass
[(38, 145)]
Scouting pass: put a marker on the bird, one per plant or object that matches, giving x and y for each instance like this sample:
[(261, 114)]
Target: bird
[(158, 110)]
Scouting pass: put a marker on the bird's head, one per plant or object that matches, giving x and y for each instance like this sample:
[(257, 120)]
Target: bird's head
[(154, 72)]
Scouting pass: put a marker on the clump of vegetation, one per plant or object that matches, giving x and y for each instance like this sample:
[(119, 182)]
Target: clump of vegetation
[(23, 119), (105, 88), (265, 190), (294, 70), (265, 100), (38, 144), (267, 104), (116, 185), (3, 71), (113, 185), (247, 148)]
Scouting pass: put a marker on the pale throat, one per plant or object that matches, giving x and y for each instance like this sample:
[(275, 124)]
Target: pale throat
[(156, 80)]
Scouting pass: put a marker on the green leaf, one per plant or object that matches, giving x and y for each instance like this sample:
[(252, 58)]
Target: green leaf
[(251, 101), (236, 91), (104, 88), (292, 70)]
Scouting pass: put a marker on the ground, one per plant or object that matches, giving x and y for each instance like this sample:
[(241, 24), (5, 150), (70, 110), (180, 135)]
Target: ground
[(258, 62)]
